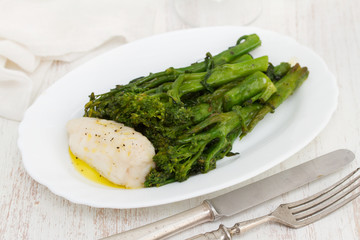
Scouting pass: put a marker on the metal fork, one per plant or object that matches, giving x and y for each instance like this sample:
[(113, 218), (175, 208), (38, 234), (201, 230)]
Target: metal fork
[(297, 214)]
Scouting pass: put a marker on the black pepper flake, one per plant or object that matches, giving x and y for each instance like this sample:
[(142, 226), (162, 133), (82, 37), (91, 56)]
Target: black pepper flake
[(111, 139), (123, 145), (117, 147), (76, 158), (115, 130), (85, 133), (95, 135), (133, 133)]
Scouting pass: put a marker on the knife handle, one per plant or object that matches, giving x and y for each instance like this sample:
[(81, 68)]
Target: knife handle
[(169, 226)]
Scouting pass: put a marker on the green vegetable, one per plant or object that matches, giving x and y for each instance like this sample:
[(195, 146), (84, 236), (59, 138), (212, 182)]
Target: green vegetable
[(285, 87), (277, 72), (210, 140), (192, 115), (157, 108), (244, 45), (194, 82)]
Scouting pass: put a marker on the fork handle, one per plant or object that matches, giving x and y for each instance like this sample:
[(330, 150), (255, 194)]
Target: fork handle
[(224, 233), (221, 234)]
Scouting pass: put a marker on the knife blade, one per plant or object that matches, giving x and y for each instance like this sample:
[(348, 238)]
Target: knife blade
[(241, 199)]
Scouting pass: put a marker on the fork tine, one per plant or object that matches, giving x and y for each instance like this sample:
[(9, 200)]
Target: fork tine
[(326, 212), (319, 194), (323, 198), (325, 205)]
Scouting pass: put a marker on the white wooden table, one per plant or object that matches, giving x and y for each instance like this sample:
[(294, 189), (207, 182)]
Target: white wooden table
[(331, 28)]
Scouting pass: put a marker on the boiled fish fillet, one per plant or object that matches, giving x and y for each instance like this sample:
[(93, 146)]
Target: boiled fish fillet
[(117, 152)]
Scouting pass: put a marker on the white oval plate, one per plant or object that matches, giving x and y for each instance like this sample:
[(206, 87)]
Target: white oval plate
[(42, 134)]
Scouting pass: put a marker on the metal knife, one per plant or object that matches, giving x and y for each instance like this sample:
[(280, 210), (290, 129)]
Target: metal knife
[(241, 199)]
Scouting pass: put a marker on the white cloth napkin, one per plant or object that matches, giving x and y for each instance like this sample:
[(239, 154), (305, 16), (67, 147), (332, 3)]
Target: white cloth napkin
[(35, 35)]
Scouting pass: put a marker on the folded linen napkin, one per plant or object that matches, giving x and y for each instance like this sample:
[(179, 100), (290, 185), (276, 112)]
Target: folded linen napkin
[(36, 35)]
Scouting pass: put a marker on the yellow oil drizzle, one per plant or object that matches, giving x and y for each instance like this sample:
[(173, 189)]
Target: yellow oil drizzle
[(90, 173)]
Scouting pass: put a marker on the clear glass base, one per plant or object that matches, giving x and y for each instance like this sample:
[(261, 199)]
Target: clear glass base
[(203, 13)]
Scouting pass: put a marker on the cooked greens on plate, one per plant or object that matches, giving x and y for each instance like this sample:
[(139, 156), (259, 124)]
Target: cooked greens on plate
[(193, 115)]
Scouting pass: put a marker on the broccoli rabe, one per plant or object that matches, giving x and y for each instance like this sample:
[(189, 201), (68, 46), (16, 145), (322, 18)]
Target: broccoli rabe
[(193, 115)]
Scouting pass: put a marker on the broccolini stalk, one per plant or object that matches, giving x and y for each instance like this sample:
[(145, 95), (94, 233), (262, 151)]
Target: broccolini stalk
[(211, 102), (153, 107), (255, 87), (277, 72), (210, 140), (194, 82), (107, 99), (281, 69), (198, 149), (244, 45), (285, 87), (242, 58), (163, 84)]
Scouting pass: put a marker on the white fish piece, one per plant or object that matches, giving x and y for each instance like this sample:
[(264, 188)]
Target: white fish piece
[(117, 152)]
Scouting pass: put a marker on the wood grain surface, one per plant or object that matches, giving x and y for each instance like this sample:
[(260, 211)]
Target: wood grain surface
[(331, 28)]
